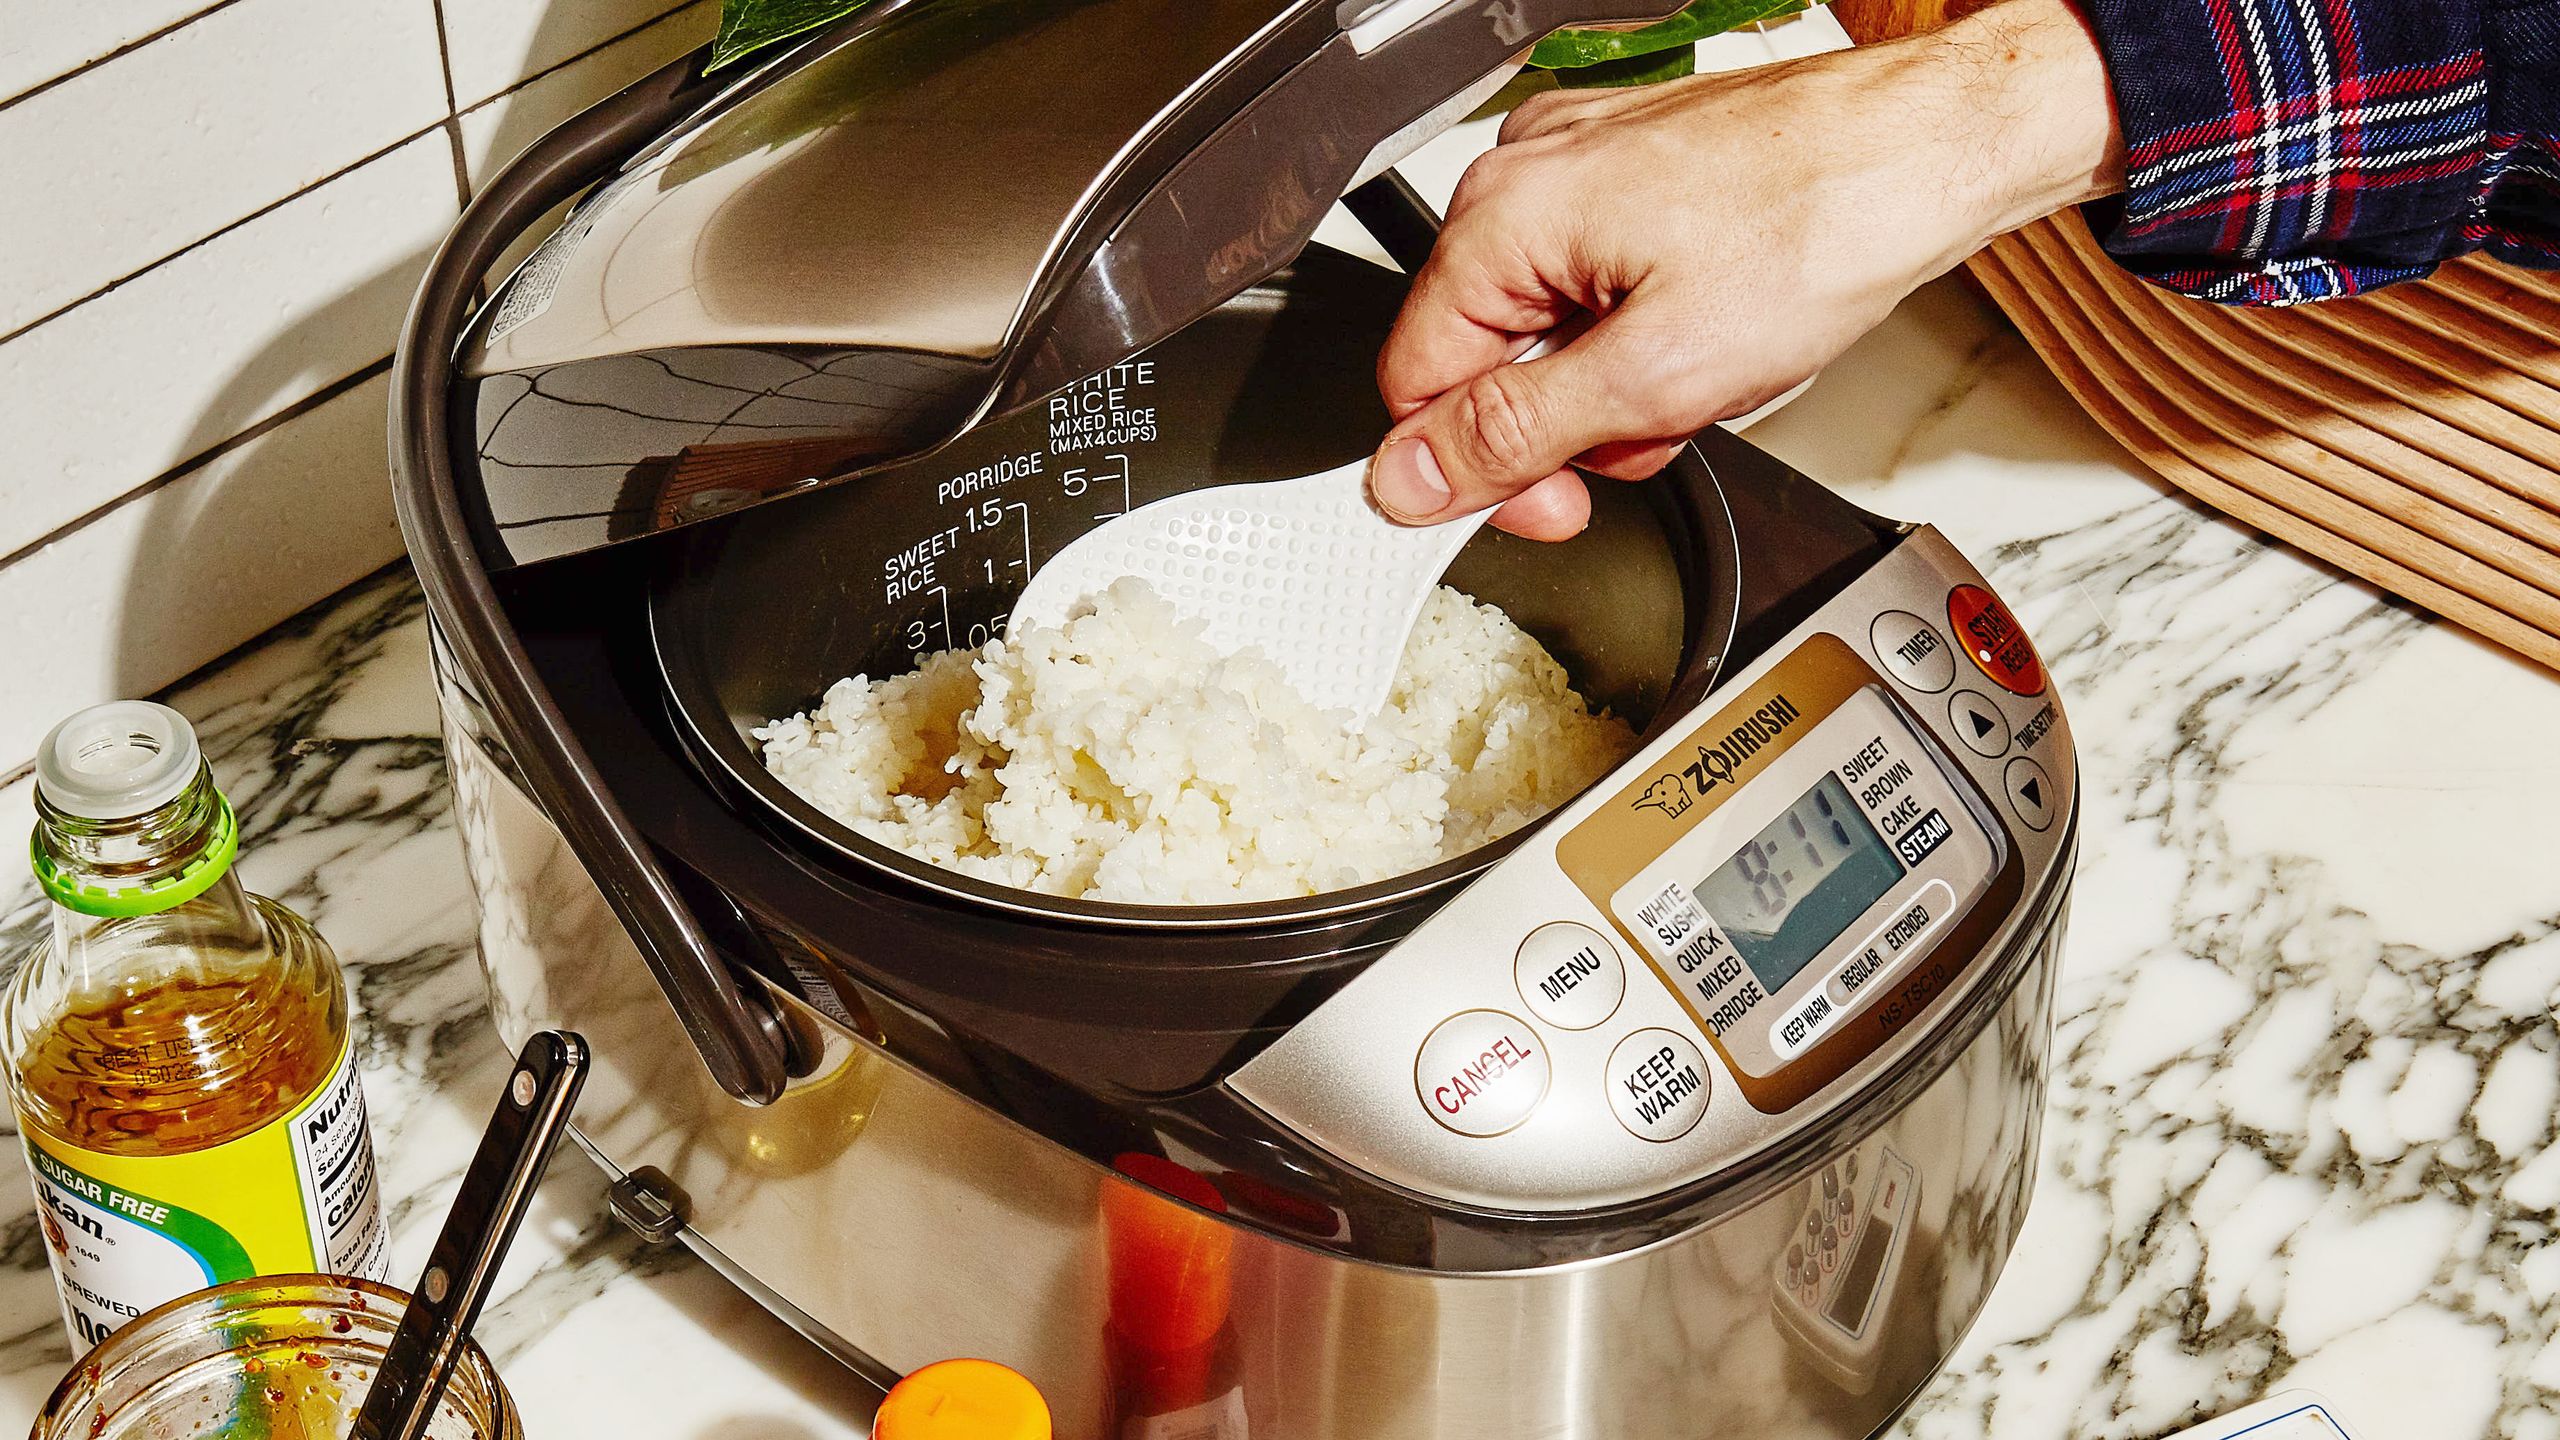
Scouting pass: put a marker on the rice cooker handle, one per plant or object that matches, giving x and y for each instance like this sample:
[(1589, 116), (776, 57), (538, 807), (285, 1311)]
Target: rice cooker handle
[(732, 1022), (732, 1025)]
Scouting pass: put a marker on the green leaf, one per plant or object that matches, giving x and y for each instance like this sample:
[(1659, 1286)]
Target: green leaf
[(1633, 70), (747, 26), (1573, 49)]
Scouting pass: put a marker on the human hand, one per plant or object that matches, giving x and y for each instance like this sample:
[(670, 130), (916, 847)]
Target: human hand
[(1731, 233)]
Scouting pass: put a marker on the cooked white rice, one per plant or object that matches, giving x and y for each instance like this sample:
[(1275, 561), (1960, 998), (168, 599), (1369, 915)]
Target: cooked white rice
[(1119, 757)]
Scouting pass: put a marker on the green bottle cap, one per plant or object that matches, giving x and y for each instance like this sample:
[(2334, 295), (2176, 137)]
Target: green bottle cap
[(115, 762), (89, 896)]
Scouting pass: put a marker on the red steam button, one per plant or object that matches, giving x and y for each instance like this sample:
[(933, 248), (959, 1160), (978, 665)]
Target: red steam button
[(1995, 640)]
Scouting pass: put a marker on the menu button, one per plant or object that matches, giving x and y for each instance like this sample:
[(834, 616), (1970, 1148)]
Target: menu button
[(1570, 975)]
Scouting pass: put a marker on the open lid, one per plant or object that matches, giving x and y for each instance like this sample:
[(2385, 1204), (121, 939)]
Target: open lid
[(939, 210)]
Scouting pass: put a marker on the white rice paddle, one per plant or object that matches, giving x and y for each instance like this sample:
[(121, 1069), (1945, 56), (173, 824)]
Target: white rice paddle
[(1303, 570)]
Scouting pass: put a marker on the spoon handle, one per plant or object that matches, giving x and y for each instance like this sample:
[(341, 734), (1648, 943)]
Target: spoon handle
[(496, 1191)]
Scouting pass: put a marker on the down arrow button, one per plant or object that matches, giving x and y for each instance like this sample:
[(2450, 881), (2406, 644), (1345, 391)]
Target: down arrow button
[(2030, 792)]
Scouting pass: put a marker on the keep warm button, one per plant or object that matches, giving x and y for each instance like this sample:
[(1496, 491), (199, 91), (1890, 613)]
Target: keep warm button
[(1481, 1072), (1658, 1084)]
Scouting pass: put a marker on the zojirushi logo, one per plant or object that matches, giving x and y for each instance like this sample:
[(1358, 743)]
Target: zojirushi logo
[(1719, 760)]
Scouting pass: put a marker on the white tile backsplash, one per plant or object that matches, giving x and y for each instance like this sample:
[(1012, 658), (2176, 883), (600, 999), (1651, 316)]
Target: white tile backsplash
[(216, 215), (42, 39), (119, 167), (497, 43), (217, 339), (202, 564)]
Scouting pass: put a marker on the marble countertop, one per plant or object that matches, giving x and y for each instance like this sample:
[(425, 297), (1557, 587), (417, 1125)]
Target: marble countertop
[(323, 733), (2306, 1069)]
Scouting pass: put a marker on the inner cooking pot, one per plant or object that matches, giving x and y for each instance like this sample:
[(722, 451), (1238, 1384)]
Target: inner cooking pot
[(757, 615)]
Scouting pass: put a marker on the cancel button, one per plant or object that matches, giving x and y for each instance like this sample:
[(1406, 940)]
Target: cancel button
[(1480, 1072), (1658, 1084)]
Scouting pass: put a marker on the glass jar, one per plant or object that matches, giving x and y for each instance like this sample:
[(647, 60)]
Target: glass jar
[(282, 1357)]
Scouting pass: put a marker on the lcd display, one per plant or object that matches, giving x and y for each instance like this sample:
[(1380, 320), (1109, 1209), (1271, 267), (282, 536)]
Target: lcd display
[(1792, 888), (1848, 1308)]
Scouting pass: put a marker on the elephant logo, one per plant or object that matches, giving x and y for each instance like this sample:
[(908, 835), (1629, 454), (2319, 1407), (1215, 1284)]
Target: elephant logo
[(1668, 794)]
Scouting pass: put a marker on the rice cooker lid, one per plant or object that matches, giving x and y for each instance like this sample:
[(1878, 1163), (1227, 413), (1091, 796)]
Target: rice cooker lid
[(866, 245)]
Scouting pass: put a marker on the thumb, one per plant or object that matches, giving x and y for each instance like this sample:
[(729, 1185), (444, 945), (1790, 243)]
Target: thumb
[(1491, 437)]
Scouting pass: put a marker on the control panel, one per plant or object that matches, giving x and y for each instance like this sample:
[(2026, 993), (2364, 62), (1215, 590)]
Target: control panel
[(1782, 870), (1764, 909)]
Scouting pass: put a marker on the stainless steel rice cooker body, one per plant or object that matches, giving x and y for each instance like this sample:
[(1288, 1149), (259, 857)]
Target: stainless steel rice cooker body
[(903, 1111)]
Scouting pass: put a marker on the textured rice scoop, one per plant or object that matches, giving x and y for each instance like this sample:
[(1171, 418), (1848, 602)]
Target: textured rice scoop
[(1120, 757)]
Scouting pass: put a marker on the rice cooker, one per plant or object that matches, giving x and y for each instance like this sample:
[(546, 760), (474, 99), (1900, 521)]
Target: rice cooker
[(1705, 1107)]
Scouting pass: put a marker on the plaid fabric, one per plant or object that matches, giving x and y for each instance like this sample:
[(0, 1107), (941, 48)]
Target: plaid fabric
[(2279, 151)]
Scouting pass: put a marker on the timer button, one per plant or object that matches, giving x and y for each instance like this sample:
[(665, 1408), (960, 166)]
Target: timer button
[(2030, 792), (1658, 1084), (1570, 975), (1979, 724), (1914, 653), (1481, 1072)]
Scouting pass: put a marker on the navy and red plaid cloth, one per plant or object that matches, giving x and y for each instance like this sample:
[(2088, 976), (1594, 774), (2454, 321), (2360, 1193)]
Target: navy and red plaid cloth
[(2279, 151)]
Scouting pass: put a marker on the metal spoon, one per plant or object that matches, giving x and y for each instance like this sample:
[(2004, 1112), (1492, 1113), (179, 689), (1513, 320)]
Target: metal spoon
[(496, 1191)]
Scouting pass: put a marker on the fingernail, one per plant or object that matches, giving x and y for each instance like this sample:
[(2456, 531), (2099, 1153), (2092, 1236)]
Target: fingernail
[(1406, 482)]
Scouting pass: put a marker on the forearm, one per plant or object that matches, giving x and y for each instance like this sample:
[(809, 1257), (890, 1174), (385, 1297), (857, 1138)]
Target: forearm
[(2008, 108), (2053, 133)]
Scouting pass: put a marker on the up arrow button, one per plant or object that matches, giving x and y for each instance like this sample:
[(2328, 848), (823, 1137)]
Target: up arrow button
[(1979, 723), (2030, 792)]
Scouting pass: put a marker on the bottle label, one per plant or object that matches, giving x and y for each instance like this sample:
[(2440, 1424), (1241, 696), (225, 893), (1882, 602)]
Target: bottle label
[(127, 1232)]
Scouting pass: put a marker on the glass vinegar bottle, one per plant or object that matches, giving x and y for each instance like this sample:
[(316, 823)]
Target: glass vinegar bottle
[(179, 1049)]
